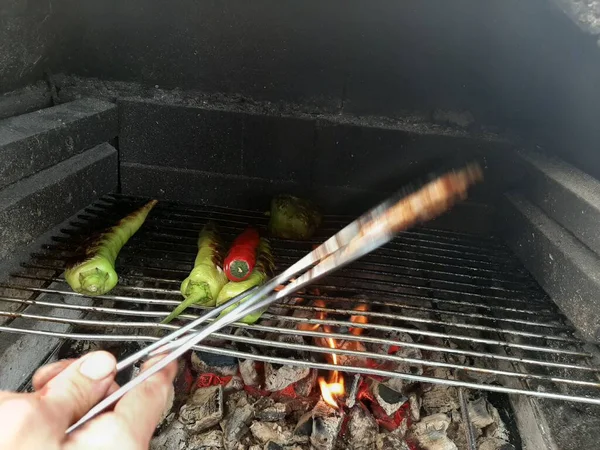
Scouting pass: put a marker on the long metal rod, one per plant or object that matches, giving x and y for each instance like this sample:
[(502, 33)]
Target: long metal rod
[(170, 342), (547, 315), (414, 331), (279, 330), (344, 311), (322, 366), (464, 412)]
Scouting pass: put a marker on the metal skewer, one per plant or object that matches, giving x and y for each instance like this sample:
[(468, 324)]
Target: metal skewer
[(362, 236)]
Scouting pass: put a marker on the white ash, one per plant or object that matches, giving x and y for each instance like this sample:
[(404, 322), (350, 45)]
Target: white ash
[(457, 431), (278, 378), (249, 372), (212, 440), (479, 413), (440, 399), (174, 437), (305, 386), (431, 431), (235, 424), (414, 402), (327, 422), (235, 384), (269, 411), (498, 428), (352, 360), (352, 390), (265, 432), (489, 443), (389, 399), (362, 429), (203, 409), (389, 441)]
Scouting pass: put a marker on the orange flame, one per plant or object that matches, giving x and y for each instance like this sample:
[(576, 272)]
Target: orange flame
[(359, 319), (335, 386), (320, 316)]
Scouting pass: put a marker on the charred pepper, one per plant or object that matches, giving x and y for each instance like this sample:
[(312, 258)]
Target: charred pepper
[(93, 271), (207, 278)]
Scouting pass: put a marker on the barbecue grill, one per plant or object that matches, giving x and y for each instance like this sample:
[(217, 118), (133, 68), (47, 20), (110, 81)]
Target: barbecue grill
[(498, 295)]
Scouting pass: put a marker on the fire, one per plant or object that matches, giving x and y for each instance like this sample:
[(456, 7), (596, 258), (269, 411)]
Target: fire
[(320, 316), (363, 307), (335, 386)]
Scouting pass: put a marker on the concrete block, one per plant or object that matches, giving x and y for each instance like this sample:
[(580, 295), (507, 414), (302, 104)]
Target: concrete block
[(31, 206), (35, 141), (567, 270), (178, 136), (566, 194), (22, 101), (278, 148)]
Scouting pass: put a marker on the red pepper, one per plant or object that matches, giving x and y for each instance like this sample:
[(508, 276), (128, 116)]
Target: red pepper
[(241, 258)]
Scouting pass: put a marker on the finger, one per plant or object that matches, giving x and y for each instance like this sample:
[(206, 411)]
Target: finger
[(143, 407), (71, 393), (18, 414), (114, 387), (46, 373), (103, 432)]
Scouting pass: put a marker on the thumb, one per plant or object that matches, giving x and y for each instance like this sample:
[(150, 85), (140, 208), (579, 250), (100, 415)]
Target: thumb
[(74, 391)]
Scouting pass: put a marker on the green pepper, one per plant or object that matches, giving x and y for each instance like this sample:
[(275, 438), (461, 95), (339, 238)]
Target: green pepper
[(93, 273), (207, 278), (293, 218)]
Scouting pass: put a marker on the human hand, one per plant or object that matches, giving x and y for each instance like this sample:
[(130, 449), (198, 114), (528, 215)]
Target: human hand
[(66, 390)]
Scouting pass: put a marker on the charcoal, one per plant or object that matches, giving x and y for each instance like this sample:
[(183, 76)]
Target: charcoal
[(212, 440), (203, 409), (457, 431), (488, 443), (235, 384), (431, 433), (269, 411), (352, 360), (389, 441), (353, 390), (389, 399), (206, 363), (278, 378), (305, 386), (174, 437), (440, 399), (239, 416), (414, 402), (327, 423), (479, 413), (304, 425), (265, 432), (497, 429), (272, 446), (249, 371), (362, 429)]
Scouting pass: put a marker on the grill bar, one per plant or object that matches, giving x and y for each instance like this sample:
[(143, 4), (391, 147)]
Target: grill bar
[(315, 365), (457, 301), (346, 312)]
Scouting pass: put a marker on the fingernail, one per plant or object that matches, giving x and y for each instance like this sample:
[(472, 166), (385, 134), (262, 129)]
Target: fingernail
[(97, 366)]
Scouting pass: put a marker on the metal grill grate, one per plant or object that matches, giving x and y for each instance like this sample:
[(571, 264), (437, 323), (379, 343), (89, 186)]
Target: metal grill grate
[(445, 307)]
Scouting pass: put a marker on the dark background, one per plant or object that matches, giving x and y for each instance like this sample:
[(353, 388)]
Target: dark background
[(515, 65)]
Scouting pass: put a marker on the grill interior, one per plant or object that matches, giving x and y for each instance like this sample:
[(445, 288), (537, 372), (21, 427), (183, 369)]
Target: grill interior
[(460, 306)]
